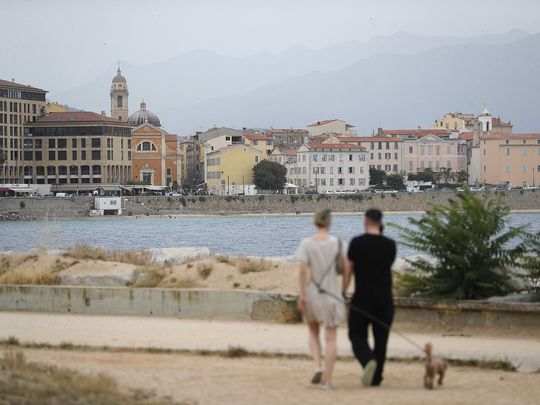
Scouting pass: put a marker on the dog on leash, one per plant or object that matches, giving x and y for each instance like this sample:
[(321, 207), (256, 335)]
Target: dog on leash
[(434, 367)]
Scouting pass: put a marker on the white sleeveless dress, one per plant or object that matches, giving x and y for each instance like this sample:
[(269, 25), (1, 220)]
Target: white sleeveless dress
[(320, 257)]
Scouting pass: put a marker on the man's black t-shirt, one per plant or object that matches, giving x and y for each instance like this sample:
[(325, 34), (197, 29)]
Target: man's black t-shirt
[(372, 257)]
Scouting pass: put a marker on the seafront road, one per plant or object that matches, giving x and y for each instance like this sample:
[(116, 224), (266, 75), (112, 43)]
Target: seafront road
[(182, 334)]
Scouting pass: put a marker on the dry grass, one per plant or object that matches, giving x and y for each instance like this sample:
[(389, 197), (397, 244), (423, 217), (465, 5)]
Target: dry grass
[(148, 276), (136, 257), (204, 269), (27, 383), (247, 265), (223, 259)]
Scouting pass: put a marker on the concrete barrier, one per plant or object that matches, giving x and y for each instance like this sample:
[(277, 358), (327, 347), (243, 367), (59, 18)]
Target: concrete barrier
[(518, 318), (200, 304)]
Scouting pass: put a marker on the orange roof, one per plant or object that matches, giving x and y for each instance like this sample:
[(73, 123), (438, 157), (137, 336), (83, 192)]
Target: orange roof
[(77, 118), (346, 138), (316, 145), (509, 135), (316, 124), (257, 137), (378, 139), (286, 130), (468, 136), (416, 132), (290, 152)]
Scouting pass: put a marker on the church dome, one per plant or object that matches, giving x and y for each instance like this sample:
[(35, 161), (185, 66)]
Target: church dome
[(119, 77), (142, 116)]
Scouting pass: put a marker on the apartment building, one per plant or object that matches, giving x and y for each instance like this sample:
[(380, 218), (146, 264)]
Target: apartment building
[(457, 121), (283, 155), (77, 148), (329, 167), (19, 105), (261, 142), (510, 158), (289, 138), (229, 170), (334, 126), (435, 153), (384, 152)]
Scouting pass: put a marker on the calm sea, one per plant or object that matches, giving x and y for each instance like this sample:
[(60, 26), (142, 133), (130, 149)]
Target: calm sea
[(233, 235)]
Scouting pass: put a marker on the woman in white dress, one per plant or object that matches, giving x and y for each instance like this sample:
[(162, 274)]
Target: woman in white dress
[(322, 257)]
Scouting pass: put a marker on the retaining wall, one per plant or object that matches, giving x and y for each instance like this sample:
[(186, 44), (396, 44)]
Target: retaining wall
[(70, 207), (508, 318)]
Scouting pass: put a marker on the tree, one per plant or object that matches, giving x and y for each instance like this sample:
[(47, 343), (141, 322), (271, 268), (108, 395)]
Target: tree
[(395, 181), (472, 247), (446, 174), (376, 177), (269, 175), (462, 176), (425, 175)]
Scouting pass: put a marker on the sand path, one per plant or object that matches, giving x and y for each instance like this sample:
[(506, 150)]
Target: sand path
[(216, 380), (171, 333)]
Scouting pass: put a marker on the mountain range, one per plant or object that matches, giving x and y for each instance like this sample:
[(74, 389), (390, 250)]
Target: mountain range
[(401, 80)]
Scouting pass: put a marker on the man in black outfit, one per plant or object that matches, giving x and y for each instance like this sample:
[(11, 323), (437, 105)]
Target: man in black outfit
[(370, 260)]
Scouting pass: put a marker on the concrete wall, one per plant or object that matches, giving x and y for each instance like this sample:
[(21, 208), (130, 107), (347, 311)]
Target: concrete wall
[(79, 206), (506, 318), (199, 304)]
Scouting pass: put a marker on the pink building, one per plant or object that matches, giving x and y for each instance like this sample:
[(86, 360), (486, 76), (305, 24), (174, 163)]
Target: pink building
[(433, 152)]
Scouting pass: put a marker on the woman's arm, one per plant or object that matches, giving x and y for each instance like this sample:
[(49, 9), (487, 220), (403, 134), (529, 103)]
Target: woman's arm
[(303, 272), (347, 275)]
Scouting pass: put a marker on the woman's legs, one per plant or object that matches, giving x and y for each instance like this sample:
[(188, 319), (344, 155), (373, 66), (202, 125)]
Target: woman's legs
[(315, 343), (329, 354)]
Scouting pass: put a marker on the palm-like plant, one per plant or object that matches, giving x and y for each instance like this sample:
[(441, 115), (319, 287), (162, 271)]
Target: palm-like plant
[(471, 243)]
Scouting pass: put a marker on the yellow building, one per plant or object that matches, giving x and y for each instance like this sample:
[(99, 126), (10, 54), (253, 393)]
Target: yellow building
[(260, 142), (510, 158), (54, 107), (229, 171)]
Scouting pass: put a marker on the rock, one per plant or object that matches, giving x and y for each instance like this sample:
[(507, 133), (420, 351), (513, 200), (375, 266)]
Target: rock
[(98, 273), (180, 254)]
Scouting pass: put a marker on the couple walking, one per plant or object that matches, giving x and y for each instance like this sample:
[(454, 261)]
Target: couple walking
[(369, 257)]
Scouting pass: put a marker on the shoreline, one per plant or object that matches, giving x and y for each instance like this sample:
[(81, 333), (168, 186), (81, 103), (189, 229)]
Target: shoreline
[(230, 215)]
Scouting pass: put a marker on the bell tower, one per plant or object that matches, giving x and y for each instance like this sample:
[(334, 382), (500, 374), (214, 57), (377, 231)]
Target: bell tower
[(119, 97)]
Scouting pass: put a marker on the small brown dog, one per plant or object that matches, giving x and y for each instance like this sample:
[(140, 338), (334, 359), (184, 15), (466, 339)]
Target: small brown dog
[(434, 366)]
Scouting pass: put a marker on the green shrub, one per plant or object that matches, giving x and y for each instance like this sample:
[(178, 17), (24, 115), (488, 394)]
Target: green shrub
[(469, 241)]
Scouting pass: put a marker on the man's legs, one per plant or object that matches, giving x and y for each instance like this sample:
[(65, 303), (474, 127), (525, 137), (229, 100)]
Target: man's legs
[(380, 335), (358, 335)]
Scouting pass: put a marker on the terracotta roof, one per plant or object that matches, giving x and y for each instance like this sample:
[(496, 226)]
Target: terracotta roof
[(78, 117), (285, 130), (257, 137), (315, 145), (416, 132), (6, 84), (378, 139), (290, 152), (316, 124), (468, 136), (509, 135)]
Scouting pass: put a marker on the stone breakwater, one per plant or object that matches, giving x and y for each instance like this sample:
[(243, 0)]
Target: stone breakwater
[(77, 207)]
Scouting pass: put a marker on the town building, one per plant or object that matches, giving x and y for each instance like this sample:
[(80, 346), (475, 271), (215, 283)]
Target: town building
[(434, 152), (77, 148), (229, 170), (19, 104), (465, 122), (329, 167), (384, 152), (510, 158), (334, 126), (283, 155), (259, 141), (119, 97), (290, 138), (156, 158)]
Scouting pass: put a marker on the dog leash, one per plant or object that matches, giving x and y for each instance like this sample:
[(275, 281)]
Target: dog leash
[(370, 316)]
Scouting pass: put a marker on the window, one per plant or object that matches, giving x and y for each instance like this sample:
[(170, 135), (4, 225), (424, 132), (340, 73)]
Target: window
[(437, 150), (449, 164), (340, 170), (331, 171), (371, 155), (388, 156), (395, 145), (524, 168), (524, 151), (52, 143), (83, 155), (62, 155), (52, 155), (256, 159), (410, 149), (28, 155), (351, 182), (430, 150), (437, 165), (96, 170), (51, 170), (324, 157), (507, 152), (387, 145), (73, 143), (73, 170), (395, 156), (387, 168), (395, 168), (331, 158), (323, 170), (96, 143), (341, 182), (380, 145), (448, 149), (378, 167), (227, 138), (96, 155), (506, 168), (430, 164), (73, 155), (62, 170), (351, 170), (410, 165), (332, 179), (119, 101), (422, 165), (350, 158), (146, 146), (83, 143), (422, 150), (315, 157), (371, 145), (380, 155), (62, 143), (38, 155)]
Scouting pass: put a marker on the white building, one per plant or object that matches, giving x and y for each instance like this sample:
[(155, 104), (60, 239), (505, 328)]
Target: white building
[(330, 127), (329, 168)]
